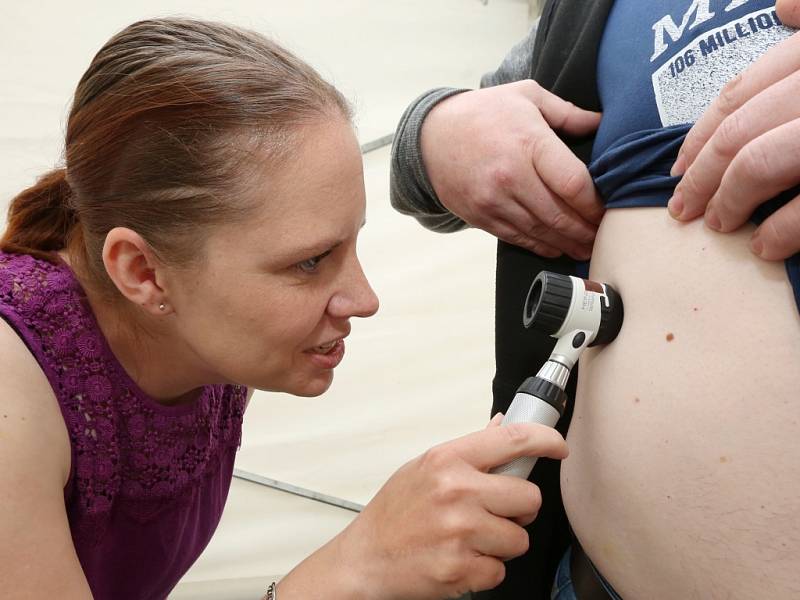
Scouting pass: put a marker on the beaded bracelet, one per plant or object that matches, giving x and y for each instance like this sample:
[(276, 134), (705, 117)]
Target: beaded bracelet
[(271, 593)]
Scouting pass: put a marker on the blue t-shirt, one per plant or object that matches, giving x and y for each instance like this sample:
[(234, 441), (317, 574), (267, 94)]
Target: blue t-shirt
[(660, 65)]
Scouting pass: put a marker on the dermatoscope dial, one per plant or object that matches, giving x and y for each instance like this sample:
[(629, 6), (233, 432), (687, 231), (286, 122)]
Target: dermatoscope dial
[(548, 302)]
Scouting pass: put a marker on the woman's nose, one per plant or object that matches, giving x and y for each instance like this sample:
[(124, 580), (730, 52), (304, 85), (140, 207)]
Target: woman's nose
[(356, 298)]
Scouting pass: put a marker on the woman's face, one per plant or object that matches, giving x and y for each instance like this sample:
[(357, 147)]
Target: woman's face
[(271, 304)]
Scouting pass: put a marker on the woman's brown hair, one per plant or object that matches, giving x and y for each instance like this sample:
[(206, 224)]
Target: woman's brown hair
[(158, 140)]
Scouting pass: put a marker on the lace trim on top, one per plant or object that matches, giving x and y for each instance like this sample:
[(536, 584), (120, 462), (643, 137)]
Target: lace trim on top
[(128, 451)]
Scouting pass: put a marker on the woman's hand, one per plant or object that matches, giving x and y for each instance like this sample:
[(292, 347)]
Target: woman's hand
[(442, 525), (495, 161), (745, 150)]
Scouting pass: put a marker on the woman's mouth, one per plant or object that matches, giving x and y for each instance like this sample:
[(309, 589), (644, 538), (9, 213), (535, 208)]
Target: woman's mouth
[(325, 348), (327, 356)]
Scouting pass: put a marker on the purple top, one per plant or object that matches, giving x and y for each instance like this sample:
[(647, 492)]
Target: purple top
[(148, 482)]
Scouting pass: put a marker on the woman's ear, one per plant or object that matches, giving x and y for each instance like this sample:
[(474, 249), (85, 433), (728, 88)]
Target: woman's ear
[(135, 270)]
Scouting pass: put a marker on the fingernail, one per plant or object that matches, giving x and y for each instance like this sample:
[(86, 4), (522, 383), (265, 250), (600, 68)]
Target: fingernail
[(757, 244), (675, 205), (679, 167), (712, 220)]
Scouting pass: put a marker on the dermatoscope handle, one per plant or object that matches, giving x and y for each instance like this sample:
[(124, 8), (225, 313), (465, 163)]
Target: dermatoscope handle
[(526, 408)]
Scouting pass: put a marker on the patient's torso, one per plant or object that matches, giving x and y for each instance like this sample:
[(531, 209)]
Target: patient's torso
[(683, 479), (684, 474)]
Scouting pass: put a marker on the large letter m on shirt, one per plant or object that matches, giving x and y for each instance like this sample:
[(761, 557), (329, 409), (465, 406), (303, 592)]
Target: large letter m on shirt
[(666, 26)]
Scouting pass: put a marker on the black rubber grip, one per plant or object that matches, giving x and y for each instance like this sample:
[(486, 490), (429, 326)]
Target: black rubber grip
[(545, 390), (548, 302)]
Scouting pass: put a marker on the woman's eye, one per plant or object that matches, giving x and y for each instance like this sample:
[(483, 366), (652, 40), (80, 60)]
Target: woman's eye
[(310, 265)]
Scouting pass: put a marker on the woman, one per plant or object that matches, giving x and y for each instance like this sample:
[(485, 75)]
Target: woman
[(200, 242)]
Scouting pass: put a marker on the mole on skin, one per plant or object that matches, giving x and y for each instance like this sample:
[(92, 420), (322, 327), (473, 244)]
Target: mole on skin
[(670, 337)]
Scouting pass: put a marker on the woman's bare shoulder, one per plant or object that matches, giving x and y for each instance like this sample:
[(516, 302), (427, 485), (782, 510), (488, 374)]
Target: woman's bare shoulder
[(34, 467), (29, 412)]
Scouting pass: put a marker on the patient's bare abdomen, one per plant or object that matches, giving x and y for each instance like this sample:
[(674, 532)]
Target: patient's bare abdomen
[(683, 479)]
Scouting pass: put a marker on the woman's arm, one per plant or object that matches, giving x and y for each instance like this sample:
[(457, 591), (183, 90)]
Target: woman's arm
[(37, 557), (441, 526)]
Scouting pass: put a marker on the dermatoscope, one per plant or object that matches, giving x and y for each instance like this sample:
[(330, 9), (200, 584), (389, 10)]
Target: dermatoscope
[(577, 312)]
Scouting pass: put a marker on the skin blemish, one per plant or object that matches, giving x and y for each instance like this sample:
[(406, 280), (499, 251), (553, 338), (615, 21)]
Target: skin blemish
[(695, 309), (723, 459), (637, 400), (670, 337)]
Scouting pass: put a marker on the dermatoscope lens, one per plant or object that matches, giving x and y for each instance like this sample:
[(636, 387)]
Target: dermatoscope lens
[(532, 302), (547, 304)]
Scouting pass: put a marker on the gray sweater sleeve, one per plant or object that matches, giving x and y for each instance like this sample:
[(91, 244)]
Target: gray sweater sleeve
[(411, 191)]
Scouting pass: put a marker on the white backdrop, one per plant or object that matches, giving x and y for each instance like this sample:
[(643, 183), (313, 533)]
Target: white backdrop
[(416, 374)]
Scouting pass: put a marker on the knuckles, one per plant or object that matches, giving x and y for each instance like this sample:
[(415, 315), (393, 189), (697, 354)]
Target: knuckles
[(530, 88), (448, 489), (788, 12), (754, 163), (502, 177), (514, 434), (573, 183), (535, 499), (497, 576), (465, 575), (452, 568), (560, 221), (437, 458), (446, 485), (520, 544), (458, 528), (781, 229), (730, 98), (730, 136), (688, 186)]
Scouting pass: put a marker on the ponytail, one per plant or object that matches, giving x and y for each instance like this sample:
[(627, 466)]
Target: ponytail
[(40, 218), (169, 125)]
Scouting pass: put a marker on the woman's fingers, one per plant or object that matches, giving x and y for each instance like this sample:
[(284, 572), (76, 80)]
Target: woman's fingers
[(496, 446), (509, 497), (495, 421), (485, 573), (500, 537)]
